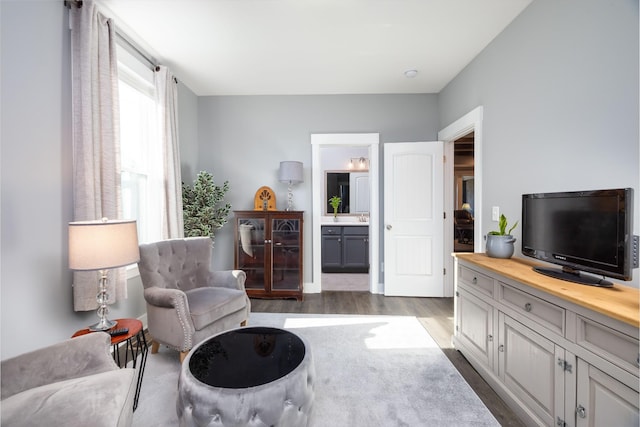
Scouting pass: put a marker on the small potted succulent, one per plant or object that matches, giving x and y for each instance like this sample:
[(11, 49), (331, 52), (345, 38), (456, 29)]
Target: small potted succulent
[(500, 243), (335, 202)]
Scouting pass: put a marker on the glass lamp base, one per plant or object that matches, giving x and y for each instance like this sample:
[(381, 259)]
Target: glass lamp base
[(103, 325)]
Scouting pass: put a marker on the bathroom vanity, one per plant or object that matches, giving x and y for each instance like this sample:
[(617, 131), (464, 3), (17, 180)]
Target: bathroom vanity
[(345, 248)]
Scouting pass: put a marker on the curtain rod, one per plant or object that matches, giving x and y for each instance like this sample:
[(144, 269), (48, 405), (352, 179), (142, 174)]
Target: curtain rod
[(151, 63), (122, 37), (133, 48)]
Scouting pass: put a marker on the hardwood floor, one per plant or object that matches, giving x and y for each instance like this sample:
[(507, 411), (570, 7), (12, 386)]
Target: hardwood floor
[(436, 314)]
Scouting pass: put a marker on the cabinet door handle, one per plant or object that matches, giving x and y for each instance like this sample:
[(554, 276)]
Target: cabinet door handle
[(527, 307), (474, 281), (490, 338), (389, 227), (339, 240), (501, 348), (581, 411)]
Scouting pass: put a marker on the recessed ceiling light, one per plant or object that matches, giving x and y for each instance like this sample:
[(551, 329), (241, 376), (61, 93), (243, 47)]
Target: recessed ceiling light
[(410, 73)]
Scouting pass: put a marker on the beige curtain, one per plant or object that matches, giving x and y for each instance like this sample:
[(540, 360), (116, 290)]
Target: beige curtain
[(96, 133), (167, 102)]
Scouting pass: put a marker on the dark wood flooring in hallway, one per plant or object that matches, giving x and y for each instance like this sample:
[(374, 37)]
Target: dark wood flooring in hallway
[(436, 314)]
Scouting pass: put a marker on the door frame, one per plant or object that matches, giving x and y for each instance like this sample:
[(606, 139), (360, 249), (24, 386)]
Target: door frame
[(472, 121), (371, 140)]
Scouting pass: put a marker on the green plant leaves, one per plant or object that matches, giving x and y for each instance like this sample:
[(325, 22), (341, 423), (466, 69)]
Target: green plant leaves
[(203, 206), (502, 227)]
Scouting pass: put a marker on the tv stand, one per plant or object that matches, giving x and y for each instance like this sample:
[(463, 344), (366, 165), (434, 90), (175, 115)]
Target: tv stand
[(547, 346), (574, 276)]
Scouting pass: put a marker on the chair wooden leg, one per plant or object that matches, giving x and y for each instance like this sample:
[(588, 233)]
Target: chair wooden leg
[(155, 346), (183, 354), (243, 323)]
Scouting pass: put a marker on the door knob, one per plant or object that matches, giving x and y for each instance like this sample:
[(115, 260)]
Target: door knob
[(389, 227)]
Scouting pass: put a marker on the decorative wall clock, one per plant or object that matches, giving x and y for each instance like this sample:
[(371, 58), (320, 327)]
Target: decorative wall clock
[(264, 200)]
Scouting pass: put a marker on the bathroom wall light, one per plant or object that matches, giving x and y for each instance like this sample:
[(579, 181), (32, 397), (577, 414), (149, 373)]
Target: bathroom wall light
[(361, 163)]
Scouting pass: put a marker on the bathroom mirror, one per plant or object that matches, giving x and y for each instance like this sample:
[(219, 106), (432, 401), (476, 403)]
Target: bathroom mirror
[(352, 187)]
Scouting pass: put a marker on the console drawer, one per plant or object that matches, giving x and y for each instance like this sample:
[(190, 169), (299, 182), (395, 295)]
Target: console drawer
[(336, 231), (542, 312), (475, 280), (620, 349), (357, 230)]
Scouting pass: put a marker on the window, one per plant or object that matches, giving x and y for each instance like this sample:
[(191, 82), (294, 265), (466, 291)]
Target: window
[(140, 155)]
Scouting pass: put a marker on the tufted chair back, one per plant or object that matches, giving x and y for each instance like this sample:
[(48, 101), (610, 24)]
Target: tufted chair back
[(175, 263), (186, 301)]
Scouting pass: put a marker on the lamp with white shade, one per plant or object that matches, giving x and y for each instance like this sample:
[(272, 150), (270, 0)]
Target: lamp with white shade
[(291, 173), (99, 246)]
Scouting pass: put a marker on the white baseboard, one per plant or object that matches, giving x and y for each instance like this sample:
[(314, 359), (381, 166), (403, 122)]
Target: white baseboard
[(143, 319)]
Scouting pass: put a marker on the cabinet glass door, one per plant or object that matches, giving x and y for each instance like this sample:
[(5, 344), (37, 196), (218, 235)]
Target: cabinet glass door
[(285, 257), (251, 251)]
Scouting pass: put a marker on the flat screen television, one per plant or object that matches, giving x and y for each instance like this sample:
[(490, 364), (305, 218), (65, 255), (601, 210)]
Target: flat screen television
[(582, 231)]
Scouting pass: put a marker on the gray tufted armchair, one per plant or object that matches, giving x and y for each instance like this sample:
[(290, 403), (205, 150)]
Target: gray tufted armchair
[(186, 301)]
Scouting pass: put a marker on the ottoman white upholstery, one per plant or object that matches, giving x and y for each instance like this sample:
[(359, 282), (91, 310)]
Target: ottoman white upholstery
[(264, 377)]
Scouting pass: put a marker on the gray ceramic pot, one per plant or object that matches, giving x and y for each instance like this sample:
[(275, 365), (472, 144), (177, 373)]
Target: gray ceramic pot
[(500, 246)]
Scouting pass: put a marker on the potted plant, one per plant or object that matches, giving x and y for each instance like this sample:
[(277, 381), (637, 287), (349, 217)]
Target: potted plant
[(203, 206), (500, 243), (335, 202)]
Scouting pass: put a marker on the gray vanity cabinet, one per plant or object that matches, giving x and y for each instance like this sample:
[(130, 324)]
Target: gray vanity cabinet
[(345, 249), (331, 249)]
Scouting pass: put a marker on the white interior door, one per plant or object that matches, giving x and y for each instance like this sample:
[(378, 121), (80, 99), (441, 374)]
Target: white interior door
[(414, 219), (359, 184)]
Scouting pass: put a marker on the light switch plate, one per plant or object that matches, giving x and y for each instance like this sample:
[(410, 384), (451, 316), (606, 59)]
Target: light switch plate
[(495, 213)]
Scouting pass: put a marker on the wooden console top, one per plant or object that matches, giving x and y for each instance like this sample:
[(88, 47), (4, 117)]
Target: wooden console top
[(620, 302)]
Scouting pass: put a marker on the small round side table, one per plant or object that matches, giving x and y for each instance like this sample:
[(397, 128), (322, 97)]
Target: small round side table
[(135, 345)]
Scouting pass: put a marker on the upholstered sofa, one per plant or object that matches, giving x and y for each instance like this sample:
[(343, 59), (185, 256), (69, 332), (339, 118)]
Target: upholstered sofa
[(186, 301), (71, 383)]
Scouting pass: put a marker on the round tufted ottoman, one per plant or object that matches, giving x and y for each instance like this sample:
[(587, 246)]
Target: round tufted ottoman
[(254, 376)]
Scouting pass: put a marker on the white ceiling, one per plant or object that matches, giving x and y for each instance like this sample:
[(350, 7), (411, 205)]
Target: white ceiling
[(286, 47)]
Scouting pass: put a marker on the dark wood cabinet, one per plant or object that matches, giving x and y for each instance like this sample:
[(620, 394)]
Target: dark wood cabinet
[(345, 249), (268, 248)]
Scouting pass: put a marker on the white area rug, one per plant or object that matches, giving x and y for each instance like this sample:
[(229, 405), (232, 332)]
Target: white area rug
[(371, 371)]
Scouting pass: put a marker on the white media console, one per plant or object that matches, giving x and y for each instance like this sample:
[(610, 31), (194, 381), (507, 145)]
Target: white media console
[(559, 353)]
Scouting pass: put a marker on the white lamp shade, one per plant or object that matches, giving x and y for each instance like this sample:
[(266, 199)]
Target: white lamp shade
[(102, 244), (290, 171)]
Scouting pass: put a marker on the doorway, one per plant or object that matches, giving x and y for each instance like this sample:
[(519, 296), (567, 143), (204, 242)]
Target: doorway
[(345, 265), (463, 193), (369, 141), (470, 122)]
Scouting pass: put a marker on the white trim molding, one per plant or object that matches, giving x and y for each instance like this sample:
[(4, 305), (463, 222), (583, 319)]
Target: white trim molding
[(472, 121), (372, 141)]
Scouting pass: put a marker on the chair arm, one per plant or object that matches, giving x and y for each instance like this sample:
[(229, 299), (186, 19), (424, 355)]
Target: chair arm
[(163, 297), (233, 279), (73, 358)]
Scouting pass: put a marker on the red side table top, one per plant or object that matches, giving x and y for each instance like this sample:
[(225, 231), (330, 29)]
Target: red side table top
[(134, 326)]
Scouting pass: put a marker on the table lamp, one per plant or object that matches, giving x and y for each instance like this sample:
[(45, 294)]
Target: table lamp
[(101, 245), (291, 173)]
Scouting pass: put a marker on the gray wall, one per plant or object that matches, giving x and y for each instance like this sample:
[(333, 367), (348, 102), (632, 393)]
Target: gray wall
[(188, 132), (36, 303), (559, 88), (243, 139)]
